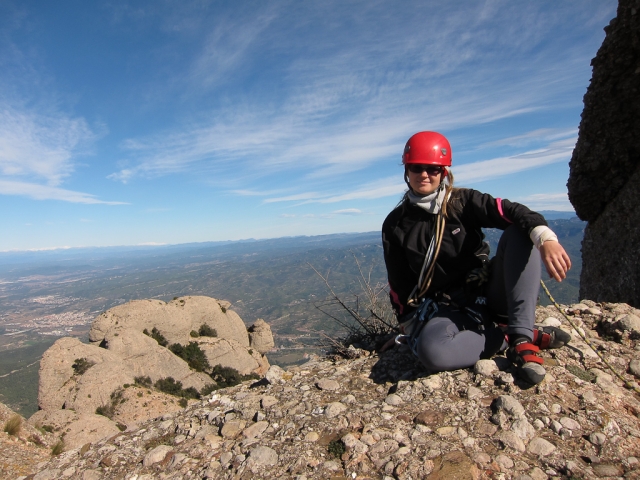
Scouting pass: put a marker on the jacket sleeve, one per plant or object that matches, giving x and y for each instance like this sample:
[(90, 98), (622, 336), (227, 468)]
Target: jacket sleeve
[(490, 212), (401, 277)]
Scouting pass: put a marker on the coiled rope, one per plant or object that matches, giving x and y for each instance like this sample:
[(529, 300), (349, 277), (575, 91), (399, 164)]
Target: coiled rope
[(627, 383)]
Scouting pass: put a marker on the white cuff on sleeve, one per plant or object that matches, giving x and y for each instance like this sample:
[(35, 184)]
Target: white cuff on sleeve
[(542, 234)]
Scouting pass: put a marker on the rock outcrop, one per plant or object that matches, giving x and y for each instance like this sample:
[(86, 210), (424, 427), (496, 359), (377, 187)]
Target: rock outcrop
[(604, 183), (383, 416), (77, 379)]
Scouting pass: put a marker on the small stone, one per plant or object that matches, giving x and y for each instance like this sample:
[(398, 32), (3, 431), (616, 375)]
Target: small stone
[(429, 417), (594, 311), (632, 461), (446, 431), (473, 392), (556, 409), (226, 458), (232, 429), (538, 424), (349, 400), (311, 437), (255, 430), (334, 409), (510, 405), (511, 440), (523, 429), (551, 322), (327, 384), (540, 446), (629, 322), (569, 423), (537, 474), (393, 399), (634, 367), (607, 470), (156, 455), (597, 438), (505, 462), (433, 382), (262, 455), (268, 401), (275, 375), (485, 368), (481, 458), (556, 426)]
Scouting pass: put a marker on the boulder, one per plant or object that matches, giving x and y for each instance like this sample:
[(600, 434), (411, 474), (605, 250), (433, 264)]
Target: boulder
[(260, 336), (58, 379), (78, 428), (175, 320), (604, 180), (145, 357), (228, 353)]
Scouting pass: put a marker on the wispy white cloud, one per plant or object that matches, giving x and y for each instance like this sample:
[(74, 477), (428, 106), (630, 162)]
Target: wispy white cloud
[(548, 201), (40, 146), (348, 211), (46, 192), (348, 98), (555, 152)]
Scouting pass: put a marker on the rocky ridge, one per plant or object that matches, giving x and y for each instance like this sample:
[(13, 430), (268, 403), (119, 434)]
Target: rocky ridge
[(383, 416), (114, 374)]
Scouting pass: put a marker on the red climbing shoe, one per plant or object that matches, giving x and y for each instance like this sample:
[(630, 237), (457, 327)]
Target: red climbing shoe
[(525, 357), (549, 337)]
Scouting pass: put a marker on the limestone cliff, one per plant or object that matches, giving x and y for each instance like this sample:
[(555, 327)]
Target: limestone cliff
[(604, 183)]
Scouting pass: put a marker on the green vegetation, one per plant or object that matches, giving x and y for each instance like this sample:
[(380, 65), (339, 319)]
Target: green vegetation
[(581, 373), (229, 377), (336, 448), (109, 410), (192, 354), (143, 381), (206, 331), (157, 336), (13, 425), (58, 448), (194, 334), (81, 365), (172, 387), (183, 402)]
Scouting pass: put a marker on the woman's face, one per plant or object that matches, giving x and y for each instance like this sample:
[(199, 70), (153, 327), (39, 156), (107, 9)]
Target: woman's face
[(424, 179)]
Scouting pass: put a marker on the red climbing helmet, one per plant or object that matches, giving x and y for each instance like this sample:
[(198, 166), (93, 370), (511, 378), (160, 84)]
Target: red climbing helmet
[(430, 148)]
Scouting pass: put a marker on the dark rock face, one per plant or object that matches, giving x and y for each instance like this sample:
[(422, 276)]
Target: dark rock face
[(604, 183)]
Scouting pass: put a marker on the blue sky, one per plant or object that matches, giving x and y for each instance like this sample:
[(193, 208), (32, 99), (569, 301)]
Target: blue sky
[(125, 123)]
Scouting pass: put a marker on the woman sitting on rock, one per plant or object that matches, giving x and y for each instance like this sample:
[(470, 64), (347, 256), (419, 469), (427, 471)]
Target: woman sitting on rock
[(453, 304)]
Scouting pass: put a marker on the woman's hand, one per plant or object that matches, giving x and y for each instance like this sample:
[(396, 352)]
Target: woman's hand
[(555, 260)]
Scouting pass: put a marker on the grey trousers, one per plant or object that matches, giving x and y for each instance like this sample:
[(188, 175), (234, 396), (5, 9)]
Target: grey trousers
[(451, 340)]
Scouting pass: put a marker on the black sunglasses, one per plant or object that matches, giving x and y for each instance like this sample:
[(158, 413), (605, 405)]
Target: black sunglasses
[(432, 170)]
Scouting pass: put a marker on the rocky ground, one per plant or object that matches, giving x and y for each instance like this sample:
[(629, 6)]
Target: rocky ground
[(383, 416)]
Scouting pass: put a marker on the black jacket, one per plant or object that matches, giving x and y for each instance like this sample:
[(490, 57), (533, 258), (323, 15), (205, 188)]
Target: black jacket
[(406, 233)]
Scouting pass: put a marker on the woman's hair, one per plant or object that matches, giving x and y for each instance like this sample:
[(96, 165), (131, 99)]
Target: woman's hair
[(453, 196)]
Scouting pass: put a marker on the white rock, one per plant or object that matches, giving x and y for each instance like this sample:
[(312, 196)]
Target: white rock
[(393, 399), (511, 440), (629, 322), (485, 368), (510, 405), (275, 375), (569, 423), (541, 447), (156, 455), (523, 429), (334, 409), (262, 455), (327, 384), (597, 438), (551, 322), (433, 382)]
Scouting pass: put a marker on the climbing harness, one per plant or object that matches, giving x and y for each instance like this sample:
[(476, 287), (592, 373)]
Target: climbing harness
[(425, 312), (626, 382)]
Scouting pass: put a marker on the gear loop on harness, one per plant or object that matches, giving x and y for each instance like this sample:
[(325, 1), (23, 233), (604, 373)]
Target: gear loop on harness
[(414, 325)]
